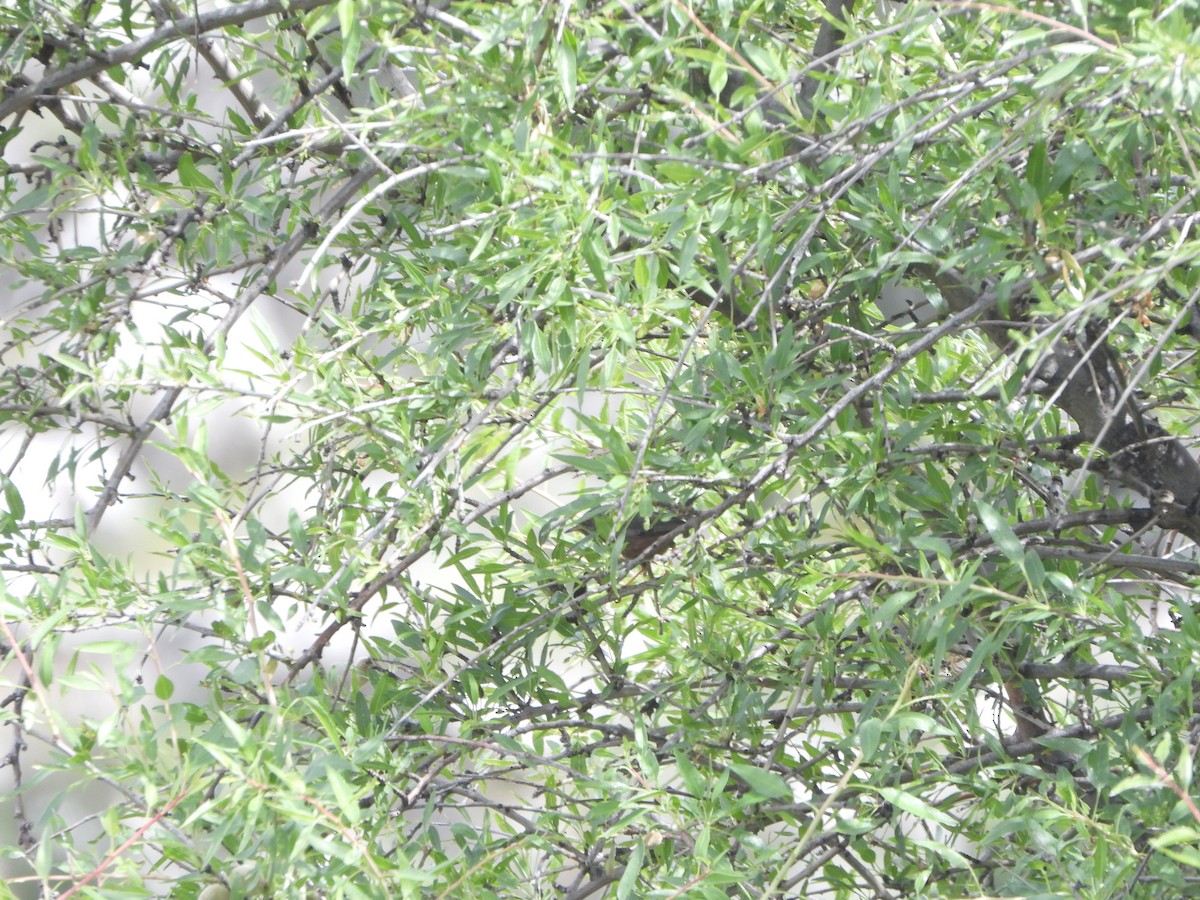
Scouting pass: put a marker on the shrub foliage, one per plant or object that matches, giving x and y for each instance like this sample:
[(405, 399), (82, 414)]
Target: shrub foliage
[(726, 448)]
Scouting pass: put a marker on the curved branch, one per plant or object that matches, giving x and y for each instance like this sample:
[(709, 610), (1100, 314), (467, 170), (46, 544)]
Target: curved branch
[(27, 97)]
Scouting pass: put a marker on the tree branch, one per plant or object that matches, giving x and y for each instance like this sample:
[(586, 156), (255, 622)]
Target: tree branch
[(27, 97)]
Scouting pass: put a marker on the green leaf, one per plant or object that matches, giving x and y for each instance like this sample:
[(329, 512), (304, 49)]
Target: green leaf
[(565, 61), (14, 505), (869, 732), (191, 177), (164, 688), (1060, 71), (351, 28), (1001, 532), (633, 868), (914, 805), (1177, 835), (763, 784), (718, 75)]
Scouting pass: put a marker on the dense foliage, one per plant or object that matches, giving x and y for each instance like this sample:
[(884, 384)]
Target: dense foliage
[(726, 448)]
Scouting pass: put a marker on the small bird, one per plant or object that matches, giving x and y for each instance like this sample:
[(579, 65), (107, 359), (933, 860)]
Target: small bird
[(641, 537)]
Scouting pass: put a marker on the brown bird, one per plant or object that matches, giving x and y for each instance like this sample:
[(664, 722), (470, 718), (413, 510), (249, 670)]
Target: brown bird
[(641, 537)]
